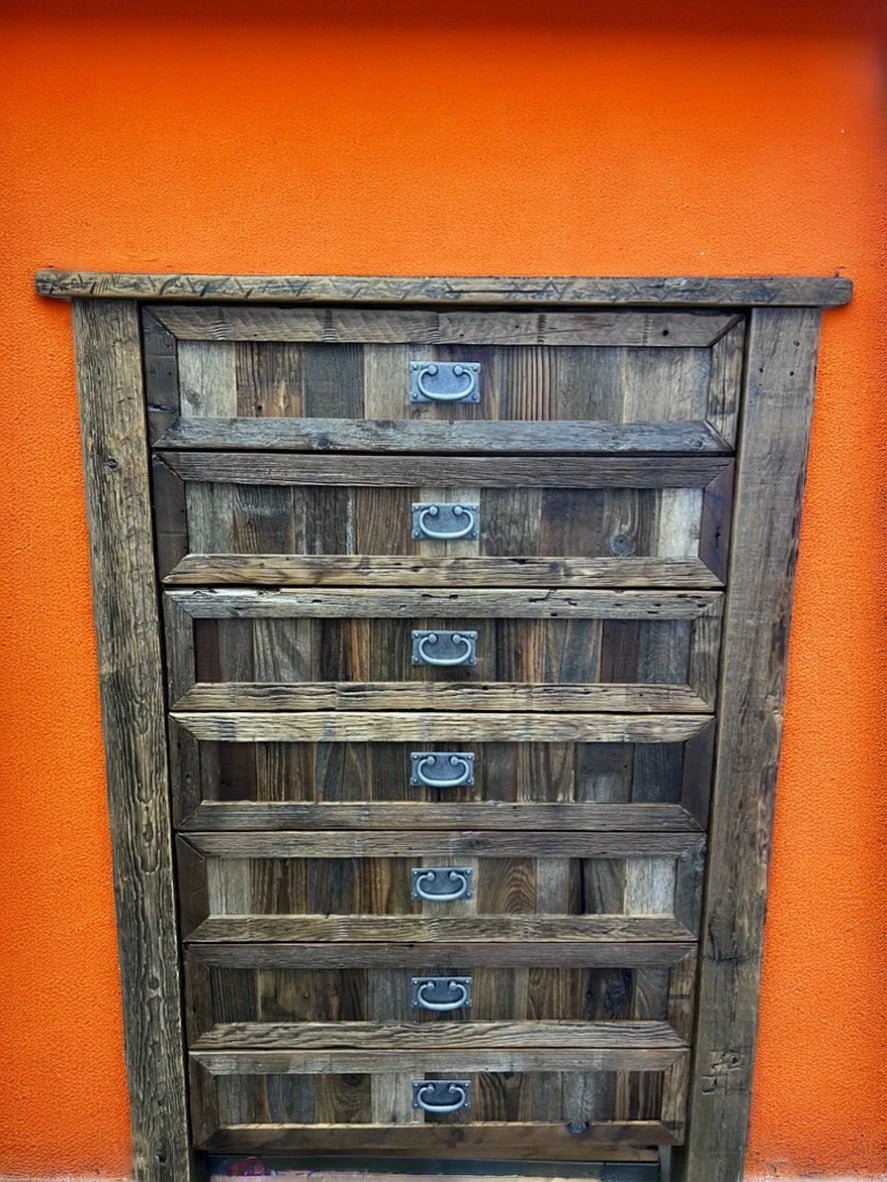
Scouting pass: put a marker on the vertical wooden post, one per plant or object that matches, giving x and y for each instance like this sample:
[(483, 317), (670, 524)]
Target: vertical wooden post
[(112, 418), (778, 400)]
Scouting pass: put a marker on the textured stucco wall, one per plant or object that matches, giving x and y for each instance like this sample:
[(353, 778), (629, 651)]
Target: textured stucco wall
[(216, 145)]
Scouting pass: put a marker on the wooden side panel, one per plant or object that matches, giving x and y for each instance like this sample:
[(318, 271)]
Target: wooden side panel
[(778, 396), (131, 681)]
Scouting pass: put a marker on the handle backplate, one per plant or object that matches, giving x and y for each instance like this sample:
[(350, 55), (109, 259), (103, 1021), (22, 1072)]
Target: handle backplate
[(444, 381), (445, 521), (443, 649), (441, 769), (441, 994), (441, 884), (441, 1095)]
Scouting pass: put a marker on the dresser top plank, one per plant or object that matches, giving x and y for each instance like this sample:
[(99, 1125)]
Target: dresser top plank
[(745, 291)]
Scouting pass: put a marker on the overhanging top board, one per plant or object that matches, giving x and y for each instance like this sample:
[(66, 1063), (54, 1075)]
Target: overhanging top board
[(749, 291)]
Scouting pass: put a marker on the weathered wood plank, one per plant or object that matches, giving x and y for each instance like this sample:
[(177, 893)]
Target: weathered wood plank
[(109, 376), (623, 1141), (398, 726), (431, 327), (778, 397), (415, 471), (245, 603), (286, 929), (337, 570), (445, 696), (361, 289), (161, 371), (539, 954), (371, 1062), (284, 814), (589, 437), (419, 844), (415, 1036)]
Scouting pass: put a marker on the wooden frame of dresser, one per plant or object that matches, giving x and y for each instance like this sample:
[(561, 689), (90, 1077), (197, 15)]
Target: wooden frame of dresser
[(777, 396)]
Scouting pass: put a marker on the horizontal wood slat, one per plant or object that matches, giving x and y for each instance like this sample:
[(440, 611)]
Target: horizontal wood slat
[(416, 1036), (372, 1062), (401, 726), (539, 954), (436, 471), (464, 601), (590, 437), (286, 929), (311, 816), (343, 570), (418, 844), (527, 1141), (482, 695), (400, 326), (517, 290)]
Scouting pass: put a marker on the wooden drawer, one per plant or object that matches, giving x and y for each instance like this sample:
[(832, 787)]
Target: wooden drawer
[(629, 521), (544, 1102), (628, 772), (341, 995), (421, 886), (507, 650), (287, 377)]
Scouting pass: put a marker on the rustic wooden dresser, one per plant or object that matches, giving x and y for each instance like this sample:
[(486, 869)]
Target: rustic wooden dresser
[(442, 629)]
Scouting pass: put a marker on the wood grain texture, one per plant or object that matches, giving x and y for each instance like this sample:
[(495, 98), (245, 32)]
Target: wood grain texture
[(449, 1061), (414, 471), (589, 437), (399, 726), (732, 292), (419, 844), (456, 601), (287, 929), (778, 398), (544, 650), (109, 375), (398, 326), (415, 1036), (527, 1141), (404, 571), (509, 1002), (310, 816), (350, 955), (161, 375)]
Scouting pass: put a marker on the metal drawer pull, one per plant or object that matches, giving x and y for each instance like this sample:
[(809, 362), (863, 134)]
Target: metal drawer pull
[(426, 878), (456, 648), (426, 989), (455, 381), (445, 514), (441, 1095), (424, 762)]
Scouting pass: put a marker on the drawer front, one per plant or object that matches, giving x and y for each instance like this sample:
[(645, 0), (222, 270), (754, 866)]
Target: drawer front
[(650, 783), (241, 517), (273, 369), (551, 1103), (420, 886), (429, 999), (429, 649)]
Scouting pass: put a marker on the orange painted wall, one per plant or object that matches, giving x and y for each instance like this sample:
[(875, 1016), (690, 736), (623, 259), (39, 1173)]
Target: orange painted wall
[(515, 145)]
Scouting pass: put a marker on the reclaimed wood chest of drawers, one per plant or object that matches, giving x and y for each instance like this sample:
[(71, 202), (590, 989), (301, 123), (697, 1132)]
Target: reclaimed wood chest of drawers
[(460, 648)]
